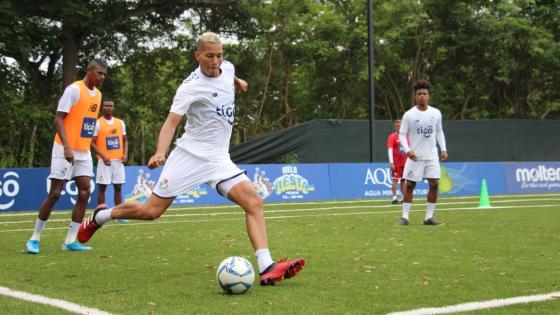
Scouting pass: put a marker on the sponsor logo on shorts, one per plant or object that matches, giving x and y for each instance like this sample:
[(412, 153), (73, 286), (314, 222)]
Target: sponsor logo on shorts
[(163, 183)]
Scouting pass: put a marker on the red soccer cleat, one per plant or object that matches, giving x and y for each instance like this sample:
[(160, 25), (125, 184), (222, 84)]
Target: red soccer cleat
[(281, 270), (89, 226)]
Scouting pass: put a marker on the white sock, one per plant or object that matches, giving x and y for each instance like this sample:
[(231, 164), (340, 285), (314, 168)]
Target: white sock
[(264, 260), (430, 208), (72, 232), (394, 197), (39, 225), (103, 216), (406, 209)]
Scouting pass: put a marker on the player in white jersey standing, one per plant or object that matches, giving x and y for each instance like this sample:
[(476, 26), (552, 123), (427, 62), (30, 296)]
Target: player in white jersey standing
[(422, 124), (207, 98)]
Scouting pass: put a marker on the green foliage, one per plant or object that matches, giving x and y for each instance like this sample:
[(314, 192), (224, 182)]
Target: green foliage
[(303, 60)]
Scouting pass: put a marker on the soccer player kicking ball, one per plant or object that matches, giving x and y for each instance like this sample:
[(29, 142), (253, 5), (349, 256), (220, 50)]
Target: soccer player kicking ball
[(207, 98), (422, 124)]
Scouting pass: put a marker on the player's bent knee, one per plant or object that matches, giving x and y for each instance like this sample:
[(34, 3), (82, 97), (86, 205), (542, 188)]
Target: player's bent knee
[(254, 204)]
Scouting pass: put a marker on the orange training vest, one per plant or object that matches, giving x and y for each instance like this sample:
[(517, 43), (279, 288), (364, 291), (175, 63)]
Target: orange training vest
[(79, 124), (110, 139)]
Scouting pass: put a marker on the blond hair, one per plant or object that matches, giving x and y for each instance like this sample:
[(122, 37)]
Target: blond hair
[(207, 37)]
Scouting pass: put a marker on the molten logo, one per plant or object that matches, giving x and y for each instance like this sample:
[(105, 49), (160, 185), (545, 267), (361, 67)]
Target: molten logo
[(537, 174)]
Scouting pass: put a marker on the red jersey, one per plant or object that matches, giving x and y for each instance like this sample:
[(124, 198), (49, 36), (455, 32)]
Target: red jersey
[(393, 142)]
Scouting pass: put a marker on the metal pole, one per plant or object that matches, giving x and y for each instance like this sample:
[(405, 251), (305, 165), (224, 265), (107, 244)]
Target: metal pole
[(371, 80)]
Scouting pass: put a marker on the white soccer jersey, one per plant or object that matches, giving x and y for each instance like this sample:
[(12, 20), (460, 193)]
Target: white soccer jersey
[(209, 104), (424, 130)]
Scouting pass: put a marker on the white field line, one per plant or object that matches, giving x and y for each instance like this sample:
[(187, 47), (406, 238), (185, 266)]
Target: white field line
[(302, 209), (474, 306), (287, 204), (297, 210), (159, 222), (292, 210), (65, 305)]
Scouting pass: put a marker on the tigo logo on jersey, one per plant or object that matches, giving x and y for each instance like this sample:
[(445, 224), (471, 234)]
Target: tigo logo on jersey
[(425, 131), (113, 143), (226, 111), (88, 126)]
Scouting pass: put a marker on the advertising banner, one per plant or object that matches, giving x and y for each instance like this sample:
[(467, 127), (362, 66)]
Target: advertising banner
[(373, 180), (290, 182), (532, 177), (365, 180), (273, 182), (26, 188), (140, 181)]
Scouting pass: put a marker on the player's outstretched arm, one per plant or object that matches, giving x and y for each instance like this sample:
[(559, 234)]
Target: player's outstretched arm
[(164, 140)]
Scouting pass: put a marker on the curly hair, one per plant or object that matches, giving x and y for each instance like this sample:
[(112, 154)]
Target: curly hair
[(421, 84)]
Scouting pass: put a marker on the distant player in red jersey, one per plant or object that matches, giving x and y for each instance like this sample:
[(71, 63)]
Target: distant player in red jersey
[(397, 159)]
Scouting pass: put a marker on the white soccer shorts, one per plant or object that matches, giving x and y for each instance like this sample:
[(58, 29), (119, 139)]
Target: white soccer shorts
[(419, 170), (110, 174), (62, 169), (184, 171)]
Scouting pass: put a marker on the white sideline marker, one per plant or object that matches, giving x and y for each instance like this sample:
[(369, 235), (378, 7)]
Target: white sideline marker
[(474, 306), (68, 306)]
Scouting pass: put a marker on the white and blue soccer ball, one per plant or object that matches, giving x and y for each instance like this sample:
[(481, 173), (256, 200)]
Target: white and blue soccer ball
[(235, 275)]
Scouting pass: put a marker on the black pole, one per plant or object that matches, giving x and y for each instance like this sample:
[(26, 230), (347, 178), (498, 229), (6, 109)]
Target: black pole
[(371, 80)]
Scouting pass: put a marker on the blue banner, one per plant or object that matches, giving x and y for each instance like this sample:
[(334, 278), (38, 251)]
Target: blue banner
[(26, 188), (373, 180), (532, 177), (295, 182)]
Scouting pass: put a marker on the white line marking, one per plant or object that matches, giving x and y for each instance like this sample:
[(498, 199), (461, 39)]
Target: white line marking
[(65, 305), (158, 222), (299, 209), (473, 306), (384, 200)]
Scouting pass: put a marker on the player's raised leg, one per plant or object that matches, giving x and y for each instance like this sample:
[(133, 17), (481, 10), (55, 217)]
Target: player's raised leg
[(150, 210), (241, 191)]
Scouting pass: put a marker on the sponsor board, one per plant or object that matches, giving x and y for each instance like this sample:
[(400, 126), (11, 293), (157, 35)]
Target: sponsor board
[(26, 188), (532, 177), (365, 180), (290, 182)]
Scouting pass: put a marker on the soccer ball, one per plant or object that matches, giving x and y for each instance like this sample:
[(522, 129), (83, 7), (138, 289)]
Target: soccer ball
[(235, 275)]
